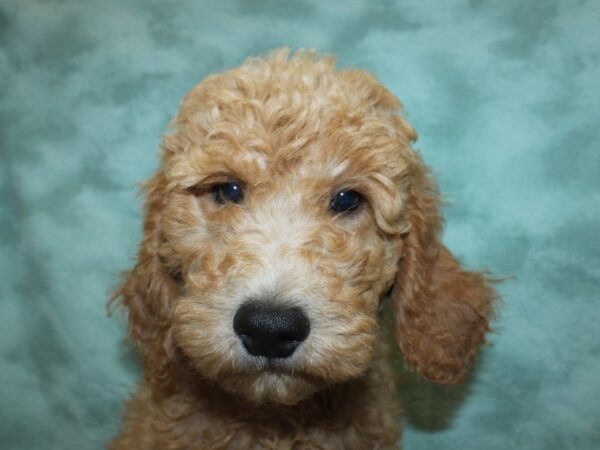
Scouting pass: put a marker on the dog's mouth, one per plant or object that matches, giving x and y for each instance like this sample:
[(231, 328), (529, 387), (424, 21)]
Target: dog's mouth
[(277, 381), (254, 365), (273, 384)]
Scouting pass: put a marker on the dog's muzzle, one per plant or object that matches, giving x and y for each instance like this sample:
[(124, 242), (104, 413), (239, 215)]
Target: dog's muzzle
[(270, 330)]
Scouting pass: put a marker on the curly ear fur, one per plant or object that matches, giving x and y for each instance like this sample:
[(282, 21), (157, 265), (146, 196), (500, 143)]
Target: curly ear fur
[(147, 292), (442, 311)]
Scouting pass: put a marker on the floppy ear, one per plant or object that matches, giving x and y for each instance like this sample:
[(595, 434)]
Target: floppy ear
[(442, 311), (148, 292)]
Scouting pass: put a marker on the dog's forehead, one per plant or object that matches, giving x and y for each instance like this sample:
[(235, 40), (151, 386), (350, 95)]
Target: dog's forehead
[(331, 144), (293, 119)]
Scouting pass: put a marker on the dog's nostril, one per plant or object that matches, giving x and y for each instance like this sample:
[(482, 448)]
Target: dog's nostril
[(271, 331)]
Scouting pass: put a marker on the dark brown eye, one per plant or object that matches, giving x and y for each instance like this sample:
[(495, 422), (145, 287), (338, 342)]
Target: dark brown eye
[(346, 201), (231, 191)]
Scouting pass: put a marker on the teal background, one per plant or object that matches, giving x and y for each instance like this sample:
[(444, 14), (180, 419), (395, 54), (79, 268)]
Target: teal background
[(505, 97)]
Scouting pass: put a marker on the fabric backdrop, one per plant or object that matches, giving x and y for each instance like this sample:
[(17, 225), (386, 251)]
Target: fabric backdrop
[(504, 95)]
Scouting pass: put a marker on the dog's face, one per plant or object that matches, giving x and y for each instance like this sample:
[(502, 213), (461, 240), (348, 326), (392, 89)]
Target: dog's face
[(275, 226), (287, 199)]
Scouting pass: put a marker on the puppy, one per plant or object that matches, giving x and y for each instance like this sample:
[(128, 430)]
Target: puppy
[(288, 209)]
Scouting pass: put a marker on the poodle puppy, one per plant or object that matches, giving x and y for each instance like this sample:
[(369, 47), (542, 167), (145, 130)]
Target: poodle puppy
[(288, 209)]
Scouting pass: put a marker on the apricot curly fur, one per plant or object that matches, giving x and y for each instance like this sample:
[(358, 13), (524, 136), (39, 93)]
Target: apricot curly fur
[(293, 131)]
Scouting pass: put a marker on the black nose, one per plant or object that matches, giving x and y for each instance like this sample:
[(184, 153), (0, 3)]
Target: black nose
[(271, 331)]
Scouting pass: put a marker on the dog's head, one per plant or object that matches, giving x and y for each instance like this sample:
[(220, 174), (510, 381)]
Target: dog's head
[(288, 202)]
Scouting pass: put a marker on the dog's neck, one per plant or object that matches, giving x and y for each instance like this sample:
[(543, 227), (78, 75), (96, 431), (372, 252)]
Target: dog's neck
[(342, 411)]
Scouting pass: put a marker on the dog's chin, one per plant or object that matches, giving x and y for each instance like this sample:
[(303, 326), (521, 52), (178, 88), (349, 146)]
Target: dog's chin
[(268, 387)]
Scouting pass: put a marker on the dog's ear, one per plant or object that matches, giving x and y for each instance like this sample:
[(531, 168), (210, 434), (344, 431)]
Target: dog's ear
[(148, 291), (442, 311)]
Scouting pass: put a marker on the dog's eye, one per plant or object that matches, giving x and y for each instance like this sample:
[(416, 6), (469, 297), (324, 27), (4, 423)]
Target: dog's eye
[(346, 201), (228, 192)]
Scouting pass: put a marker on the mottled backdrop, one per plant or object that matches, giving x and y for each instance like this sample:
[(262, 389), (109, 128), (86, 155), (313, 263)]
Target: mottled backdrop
[(504, 94)]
